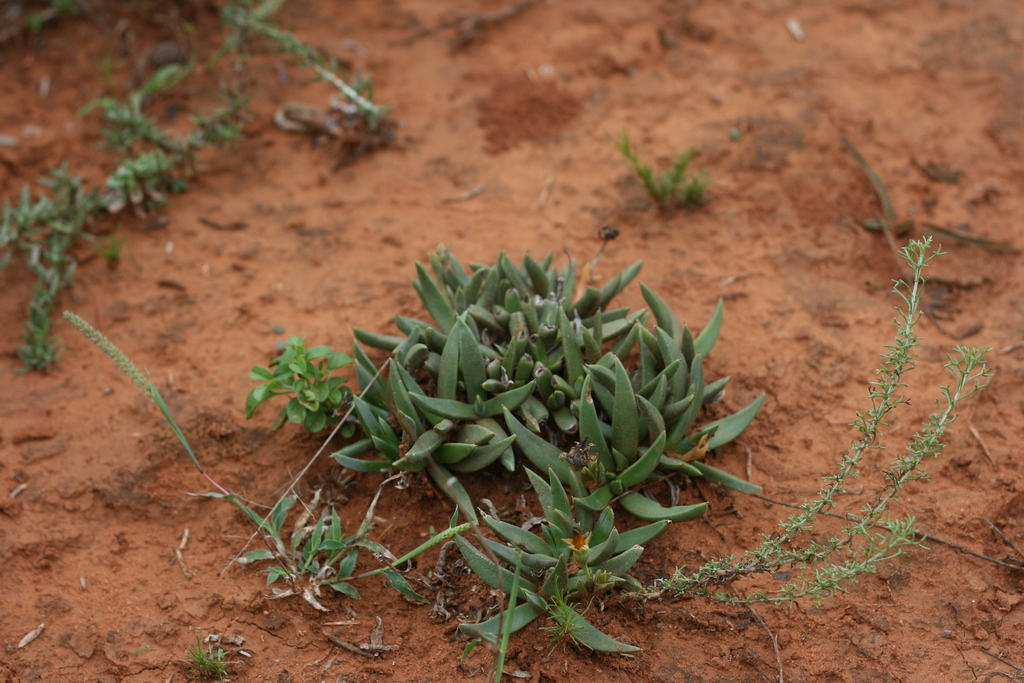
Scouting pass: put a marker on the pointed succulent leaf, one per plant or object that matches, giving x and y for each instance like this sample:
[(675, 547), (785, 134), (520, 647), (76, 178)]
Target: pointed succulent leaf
[(590, 428), (571, 349), (621, 563), (596, 501), (587, 303), (725, 479), (603, 526), (521, 616), (489, 573), (624, 346), (482, 456), (662, 311), (590, 636), (671, 464), (387, 342), (471, 361), (618, 283), (732, 426), (644, 465), (603, 551), (539, 451), (448, 370), (625, 420), (434, 300), (452, 488), (653, 422), (644, 508), (709, 335), (529, 542), (642, 535), (451, 453), (416, 458)]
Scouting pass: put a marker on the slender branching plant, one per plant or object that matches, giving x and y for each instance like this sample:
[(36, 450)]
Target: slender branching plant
[(869, 537)]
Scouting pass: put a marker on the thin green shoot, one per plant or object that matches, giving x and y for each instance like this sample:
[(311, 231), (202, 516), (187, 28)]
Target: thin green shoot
[(207, 662), (673, 187), (507, 617), (567, 620)]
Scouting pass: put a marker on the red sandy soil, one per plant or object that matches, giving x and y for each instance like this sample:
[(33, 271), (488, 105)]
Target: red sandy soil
[(525, 108)]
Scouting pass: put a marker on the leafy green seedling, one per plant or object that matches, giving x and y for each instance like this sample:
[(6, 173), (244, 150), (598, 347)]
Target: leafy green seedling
[(304, 375), (673, 187), (207, 662)]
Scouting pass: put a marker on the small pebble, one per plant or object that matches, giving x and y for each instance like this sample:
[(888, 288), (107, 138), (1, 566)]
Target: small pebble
[(277, 329), (946, 634)]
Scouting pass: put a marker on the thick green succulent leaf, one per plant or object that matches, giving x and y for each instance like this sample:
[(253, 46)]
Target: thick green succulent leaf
[(590, 428), (644, 508), (587, 303), (521, 616), (653, 422), (709, 335), (450, 453), (644, 466), (713, 390), (360, 465), (539, 451), (388, 342), (448, 369), (491, 574), (624, 346), (725, 479), (642, 535), (482, 456), (589, 635), (511, 556), (543, 491), (453, 488), (571, 349), (415, 458), (559, 499), (596, 501), (529, 542), (621, 563), (618, 283), (732, 426), (603, 526), (457, 410), (625, 420), (603, 551), (539, 277), (662, 312), (514, 275), (675, 465), (434, 300), (471, 361)]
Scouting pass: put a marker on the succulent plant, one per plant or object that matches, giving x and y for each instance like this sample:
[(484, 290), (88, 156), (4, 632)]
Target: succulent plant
[(579, 555), (530, 356)]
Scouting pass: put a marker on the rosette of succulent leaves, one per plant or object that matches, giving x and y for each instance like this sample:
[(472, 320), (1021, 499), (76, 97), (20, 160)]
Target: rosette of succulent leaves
[(528, 359), (577, 557)]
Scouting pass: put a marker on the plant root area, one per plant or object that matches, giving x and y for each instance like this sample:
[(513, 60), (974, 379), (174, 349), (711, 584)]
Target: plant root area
[(503, 141)]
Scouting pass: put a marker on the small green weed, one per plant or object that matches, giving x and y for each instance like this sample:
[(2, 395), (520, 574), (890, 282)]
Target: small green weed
[(315, 555), (569, 623), (207, 662), (316, 398), (673, 188), (156, 162), (110, 249)]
